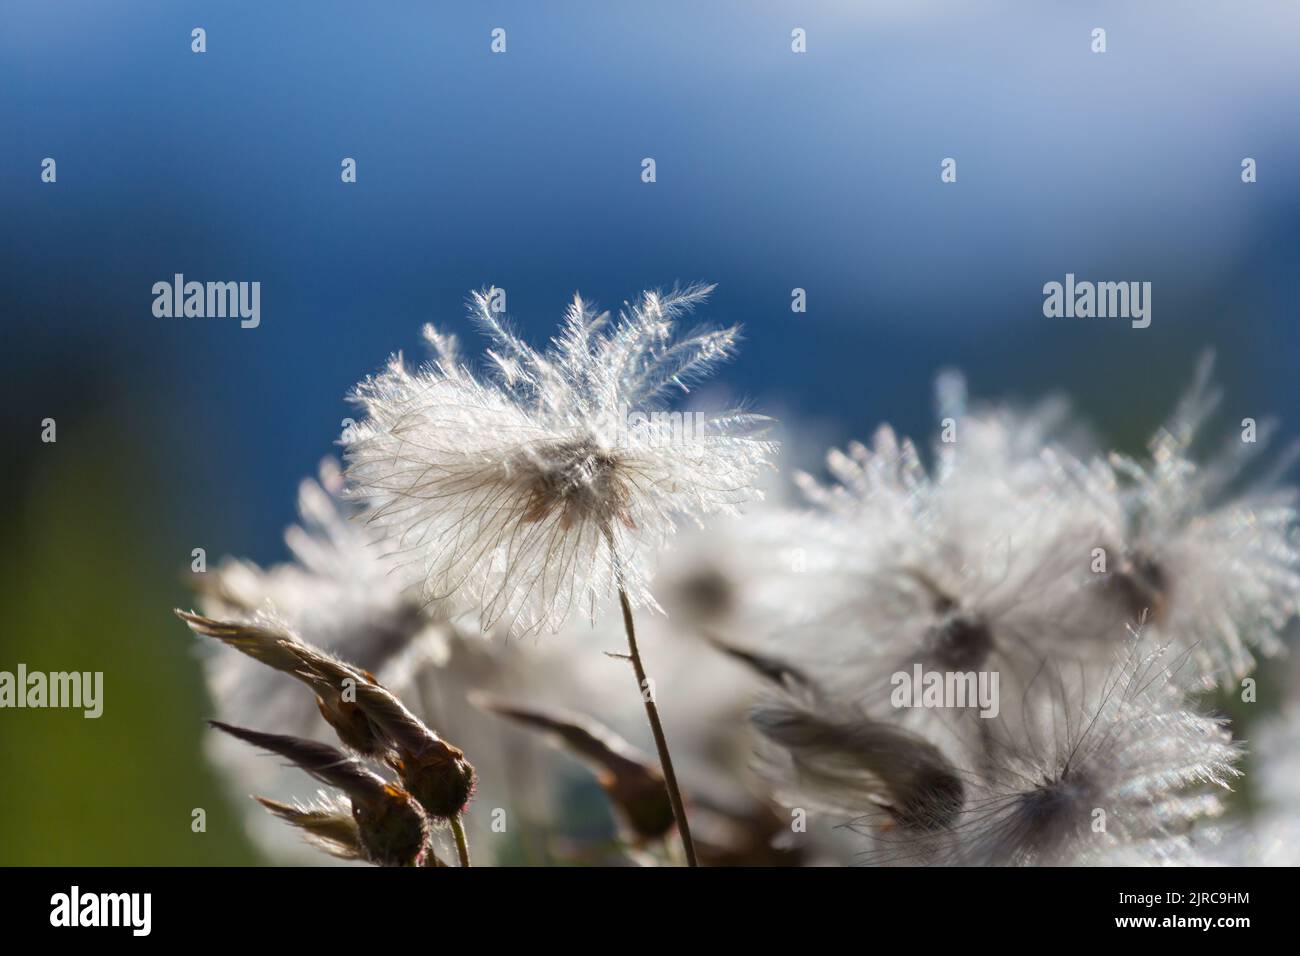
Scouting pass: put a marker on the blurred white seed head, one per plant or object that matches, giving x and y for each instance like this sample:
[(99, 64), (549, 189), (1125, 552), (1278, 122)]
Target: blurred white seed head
[(954, 572), (1213, 559), (1124, 766)]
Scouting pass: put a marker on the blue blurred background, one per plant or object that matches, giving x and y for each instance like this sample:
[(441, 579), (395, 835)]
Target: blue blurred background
[(775, 170)]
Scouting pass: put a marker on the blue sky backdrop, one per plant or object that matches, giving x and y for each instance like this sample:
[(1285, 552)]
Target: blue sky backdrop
[(522, 170)]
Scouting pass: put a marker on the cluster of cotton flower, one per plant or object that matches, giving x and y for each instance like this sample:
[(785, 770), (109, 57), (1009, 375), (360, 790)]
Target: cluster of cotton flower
[(504, 541)]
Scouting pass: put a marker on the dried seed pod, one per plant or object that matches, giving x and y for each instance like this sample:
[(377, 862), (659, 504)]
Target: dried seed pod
[(327, 824), (279, 648), (434, 771), (391, 827), (634, 784)]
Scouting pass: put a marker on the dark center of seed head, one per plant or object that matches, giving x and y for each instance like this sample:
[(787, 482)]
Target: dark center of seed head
[(577, 478), (1053, 812), (1141, 585), (959, 642), (568, 466)]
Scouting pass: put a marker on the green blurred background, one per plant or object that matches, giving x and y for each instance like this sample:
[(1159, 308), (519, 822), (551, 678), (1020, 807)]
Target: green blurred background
[(85, 585)]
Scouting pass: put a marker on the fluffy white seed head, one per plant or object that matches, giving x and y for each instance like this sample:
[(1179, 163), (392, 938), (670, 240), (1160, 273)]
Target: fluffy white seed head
[(537, 490), (955, 571), (1213, 560)]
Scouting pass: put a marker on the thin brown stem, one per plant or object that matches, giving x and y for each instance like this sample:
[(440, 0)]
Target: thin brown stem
[(661, 742), (462, 845)]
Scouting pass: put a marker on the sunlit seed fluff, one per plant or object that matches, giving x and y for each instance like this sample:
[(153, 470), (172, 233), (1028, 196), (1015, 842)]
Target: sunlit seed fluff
[(1099, 769), (952, 569), (1004, 448), (1215, 563), (530, 489)]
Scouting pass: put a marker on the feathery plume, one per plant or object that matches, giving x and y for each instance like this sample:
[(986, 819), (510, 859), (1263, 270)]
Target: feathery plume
[(540, 489)]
